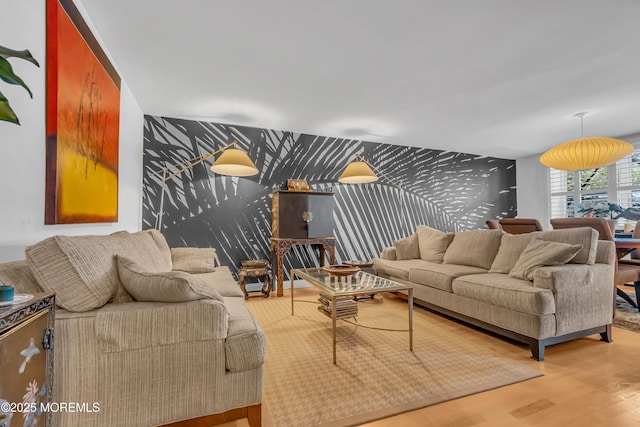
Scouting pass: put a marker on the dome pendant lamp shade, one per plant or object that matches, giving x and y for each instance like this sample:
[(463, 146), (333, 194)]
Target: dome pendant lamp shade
[(234, 162), (357, 172), (586, 153)]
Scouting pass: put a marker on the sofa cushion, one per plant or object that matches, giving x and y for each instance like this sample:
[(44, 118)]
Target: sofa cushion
[(441, 276), (389, 253), (539, 253), (432, 243), (506, 292), (144, 248), (194, 260), (18, 275), (245, 344), (163, 246), (82, 270), (407, 248), (511, 246), (137, 325), (476, 248), (585, 236), (170, 286), (398, 269), (222, 281)]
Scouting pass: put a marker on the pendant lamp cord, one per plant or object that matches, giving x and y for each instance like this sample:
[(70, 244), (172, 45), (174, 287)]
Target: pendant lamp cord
[(595, 171)]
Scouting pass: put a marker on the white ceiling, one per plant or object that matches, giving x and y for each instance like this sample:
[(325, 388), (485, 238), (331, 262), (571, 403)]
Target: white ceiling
[(500, 78)]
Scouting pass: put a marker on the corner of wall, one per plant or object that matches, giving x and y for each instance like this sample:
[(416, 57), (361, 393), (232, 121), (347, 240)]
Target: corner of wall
[(532, 189)]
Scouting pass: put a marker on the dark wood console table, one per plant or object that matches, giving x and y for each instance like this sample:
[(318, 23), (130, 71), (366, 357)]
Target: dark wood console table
[(281, 245)]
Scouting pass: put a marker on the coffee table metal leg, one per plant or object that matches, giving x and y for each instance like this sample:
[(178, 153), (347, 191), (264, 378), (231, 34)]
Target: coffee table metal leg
[(333, 321), (410, 301)]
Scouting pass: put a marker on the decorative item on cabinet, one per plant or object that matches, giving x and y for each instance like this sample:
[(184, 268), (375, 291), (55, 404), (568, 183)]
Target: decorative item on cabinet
[(297, 185)]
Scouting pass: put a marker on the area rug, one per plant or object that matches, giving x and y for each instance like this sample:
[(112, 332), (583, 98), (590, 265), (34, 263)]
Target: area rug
[(376, 375), (627, 316)]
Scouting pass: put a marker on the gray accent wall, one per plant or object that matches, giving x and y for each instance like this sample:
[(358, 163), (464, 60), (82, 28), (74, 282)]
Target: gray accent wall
[(446, 190)]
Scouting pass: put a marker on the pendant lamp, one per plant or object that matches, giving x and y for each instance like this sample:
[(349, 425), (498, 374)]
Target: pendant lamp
[(585, 153)]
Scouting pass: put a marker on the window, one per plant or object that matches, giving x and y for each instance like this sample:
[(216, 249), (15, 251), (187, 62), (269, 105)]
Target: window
[(605, 192)]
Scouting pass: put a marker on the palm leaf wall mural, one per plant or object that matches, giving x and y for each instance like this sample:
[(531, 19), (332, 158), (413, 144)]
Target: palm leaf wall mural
[(442, 189)]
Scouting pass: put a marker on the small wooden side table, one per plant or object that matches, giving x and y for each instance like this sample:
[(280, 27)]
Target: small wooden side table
[(255, 268)]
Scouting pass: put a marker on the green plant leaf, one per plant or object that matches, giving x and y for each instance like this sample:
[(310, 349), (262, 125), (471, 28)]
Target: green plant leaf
[(6, 112), (7, 75), (22, 54)]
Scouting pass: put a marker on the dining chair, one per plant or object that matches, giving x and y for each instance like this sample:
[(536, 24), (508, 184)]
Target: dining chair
[(633, 262), (515, 225), (625, 273), (634, 255)]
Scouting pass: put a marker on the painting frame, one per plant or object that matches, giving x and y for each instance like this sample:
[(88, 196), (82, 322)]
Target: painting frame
[(82, 122)]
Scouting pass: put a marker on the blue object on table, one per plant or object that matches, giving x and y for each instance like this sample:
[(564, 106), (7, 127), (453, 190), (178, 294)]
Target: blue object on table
[(6, 293)]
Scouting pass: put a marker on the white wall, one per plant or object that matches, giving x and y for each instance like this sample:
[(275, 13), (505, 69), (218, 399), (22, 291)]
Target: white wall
[(532, 190), (22, 148)]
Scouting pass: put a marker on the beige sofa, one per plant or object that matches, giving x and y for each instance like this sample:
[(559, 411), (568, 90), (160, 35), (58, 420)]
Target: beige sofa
[(539, 288), (187, 348)]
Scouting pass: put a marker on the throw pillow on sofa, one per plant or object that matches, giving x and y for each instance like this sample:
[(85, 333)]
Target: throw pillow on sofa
[(585, 236), (407, 248), (511, 247), (432, 243), (194, 260), (541, 253), (475, 248), (169, 286)]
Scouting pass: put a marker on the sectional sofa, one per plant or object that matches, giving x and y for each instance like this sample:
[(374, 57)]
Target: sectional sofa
[(539, 288), (153, 335)]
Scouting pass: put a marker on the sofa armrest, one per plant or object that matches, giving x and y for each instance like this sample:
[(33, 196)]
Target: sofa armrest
[(583, 294), (135, 325), (389, 253)]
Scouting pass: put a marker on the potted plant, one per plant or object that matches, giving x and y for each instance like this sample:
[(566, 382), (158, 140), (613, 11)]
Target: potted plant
[(8, 76)]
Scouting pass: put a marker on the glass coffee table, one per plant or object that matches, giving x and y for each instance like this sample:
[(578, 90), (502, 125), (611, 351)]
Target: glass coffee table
[(339, 286)]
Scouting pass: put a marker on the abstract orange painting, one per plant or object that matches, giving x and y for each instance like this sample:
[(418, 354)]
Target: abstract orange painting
[(83, 116)]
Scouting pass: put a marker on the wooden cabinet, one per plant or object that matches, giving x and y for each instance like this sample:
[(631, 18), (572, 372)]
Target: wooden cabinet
[(26, 361), (300, 218), (301, 214)]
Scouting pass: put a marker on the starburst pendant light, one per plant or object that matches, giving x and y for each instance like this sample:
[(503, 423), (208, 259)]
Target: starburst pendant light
[(585, 153)]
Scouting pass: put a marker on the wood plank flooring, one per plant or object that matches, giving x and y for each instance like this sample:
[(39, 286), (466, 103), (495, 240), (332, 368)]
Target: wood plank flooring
[(586, 382)]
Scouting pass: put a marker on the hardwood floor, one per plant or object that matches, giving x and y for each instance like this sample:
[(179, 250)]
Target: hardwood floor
[(585, 382)]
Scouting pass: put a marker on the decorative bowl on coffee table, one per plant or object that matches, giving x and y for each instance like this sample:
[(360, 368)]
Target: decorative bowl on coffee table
[(341, 269)]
